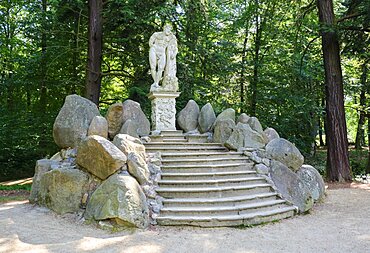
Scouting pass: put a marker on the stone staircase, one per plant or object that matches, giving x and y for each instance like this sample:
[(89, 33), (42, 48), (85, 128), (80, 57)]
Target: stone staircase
[(204, 184)]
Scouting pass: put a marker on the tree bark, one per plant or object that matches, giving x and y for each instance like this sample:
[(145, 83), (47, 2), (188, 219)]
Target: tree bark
[(360, 134), (338, 168), (94, 59)]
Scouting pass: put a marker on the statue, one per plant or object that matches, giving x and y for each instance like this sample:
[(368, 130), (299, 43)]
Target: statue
[(162, 59)]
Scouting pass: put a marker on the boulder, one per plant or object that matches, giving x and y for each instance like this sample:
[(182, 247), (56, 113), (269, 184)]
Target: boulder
[(243, 118), (206, 118), (98, 126), (132, 111), (42, 166), (128, 144), (62, 190), (138, 168), (227, 114), (119, 198), (313, 181), (284, 151), (261, 169), (114, 118), (255, 125), (130, 128), (187, 118), (290, 186), (244, 136), (100, 157), (223, 130), (73, 121), (271, 134)]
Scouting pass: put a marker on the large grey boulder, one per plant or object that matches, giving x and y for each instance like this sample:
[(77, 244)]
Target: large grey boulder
[(100, 157), (73, 121), (187, 118), (128, 144), (291, 186), (130, 128), (255, 124), (227, 114), (243, 118), (42, 166), (119, 198), (98, 126), (132, 111), (114, 118), (271, 134), (284, 151), (244, 136), (62, 189), (223, 130), (138, 168), (313, 181), (206, 118)]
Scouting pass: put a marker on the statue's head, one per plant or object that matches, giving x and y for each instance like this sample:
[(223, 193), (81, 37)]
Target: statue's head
[(167, 28)]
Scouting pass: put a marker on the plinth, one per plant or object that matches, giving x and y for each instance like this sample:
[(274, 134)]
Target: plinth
[(163, 110)]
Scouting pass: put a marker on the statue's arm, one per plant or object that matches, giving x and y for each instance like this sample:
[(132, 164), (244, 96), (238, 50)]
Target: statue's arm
[(152, 39)]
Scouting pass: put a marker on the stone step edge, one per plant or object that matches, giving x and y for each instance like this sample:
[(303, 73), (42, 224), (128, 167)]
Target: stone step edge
[(211, 189), (182, 144), (186, 148), (211, 181), (225, 208), (204, 160), (220, 200), (229, 217), (197, 174), (205, 165), (226, 153)]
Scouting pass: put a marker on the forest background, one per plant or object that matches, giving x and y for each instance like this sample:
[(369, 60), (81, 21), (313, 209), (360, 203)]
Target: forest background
[(262, 57)]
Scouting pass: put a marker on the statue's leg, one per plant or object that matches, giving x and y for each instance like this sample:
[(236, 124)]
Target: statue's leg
[(161, 65), (153, 64)]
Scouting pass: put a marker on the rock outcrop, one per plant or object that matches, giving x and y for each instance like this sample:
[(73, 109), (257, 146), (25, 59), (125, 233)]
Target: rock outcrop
[(73, 121), (114, 118), (223, 130), (271, 134), (98, 126), (313, 181), (132, 111), (206, 118), (187, 118)]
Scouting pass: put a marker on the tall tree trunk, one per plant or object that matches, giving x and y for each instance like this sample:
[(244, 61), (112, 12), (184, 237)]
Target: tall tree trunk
[(95, 35), (257, 46), (360, 134), (338, 168), (43, 67)]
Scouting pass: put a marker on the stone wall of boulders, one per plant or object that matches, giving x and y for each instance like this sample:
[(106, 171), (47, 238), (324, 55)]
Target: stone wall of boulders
[(275, 158), (102, 173)]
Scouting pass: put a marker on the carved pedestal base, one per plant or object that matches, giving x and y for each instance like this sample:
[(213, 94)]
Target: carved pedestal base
[(163, 110)]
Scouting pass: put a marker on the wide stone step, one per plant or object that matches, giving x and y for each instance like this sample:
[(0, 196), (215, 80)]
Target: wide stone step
[(213, 192), (172, 132), (208, 175), (211, 182), (207, 168), (224, 210), (204, 155), (211, 202), (183, 149), (174, 144), (210, 160), (229, 220)]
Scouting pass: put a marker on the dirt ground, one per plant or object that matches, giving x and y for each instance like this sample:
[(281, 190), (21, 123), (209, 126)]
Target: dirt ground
[(340, 224)]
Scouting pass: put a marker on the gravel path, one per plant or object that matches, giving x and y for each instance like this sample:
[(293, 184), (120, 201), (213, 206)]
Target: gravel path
[(340, 224)]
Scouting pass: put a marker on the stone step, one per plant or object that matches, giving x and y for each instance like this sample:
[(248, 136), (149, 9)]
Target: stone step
[(209, 160), (204, 155), (238, 209), (197, 138), (229, 220), (183, 149), (181, 144), (165, 139), (213, 192), (191, 168), (172, 132), (211, 182), (208, 175), (211, 202)]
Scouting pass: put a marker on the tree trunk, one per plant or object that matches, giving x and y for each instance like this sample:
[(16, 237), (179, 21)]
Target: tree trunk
[(95, 35), (338, 168), (368, 141), (360, 134), (43, 67)]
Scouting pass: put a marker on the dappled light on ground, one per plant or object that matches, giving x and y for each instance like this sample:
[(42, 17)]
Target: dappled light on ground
[(340, 224)]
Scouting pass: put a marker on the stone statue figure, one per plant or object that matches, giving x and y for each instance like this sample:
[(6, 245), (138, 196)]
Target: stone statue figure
[(162, 59)]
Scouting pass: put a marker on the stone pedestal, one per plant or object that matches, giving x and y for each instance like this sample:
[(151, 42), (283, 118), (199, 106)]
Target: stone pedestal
[(163, 110)]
